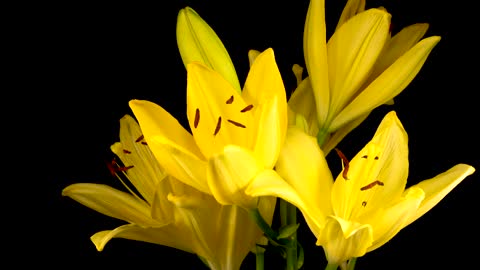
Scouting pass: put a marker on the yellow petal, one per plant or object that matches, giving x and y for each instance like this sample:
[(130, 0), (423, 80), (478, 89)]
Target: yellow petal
[(398, 45), (352, 52), (197, 41), (169, 235), (266, 206), (229, 173), (236, 234), (252, 55), (352, 8), (155, 121), (180, 162), (298, 72), (343, 240), (146, 173), (439, 186), (315, 53), (112, 202), (389, 84), (162, 209), (376, 175), (264, 80), (270, 132), (302, 101), (269, 183), (302, 164), (214, 111), (264, 90), (388, 221)]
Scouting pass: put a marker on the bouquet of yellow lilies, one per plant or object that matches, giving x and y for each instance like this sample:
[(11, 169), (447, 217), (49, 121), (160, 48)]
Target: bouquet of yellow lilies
[(214, 188)]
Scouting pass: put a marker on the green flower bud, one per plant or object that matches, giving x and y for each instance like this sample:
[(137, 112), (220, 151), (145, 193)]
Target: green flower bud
[(197, 41)]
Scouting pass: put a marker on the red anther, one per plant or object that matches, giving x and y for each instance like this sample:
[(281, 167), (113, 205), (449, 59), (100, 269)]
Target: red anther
[(248, 108), (219, 125), (139, 138), (345, 162), (236, 123), (369, 186), (197, 118), (114, 168)]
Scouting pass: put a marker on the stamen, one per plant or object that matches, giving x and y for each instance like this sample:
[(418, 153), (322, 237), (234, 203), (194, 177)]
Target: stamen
[(364, 203), (236, 123), (114, 168), (248, 108), (369, 186), (144, 143), (376, 158), (365, 156), (139, 138), (125, 151), (197, 118), (230, 100), (219, 125), (346, 163), (124, 169)]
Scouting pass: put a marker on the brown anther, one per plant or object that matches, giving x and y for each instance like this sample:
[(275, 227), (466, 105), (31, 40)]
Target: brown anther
[(197, 118), (125, 151), (376, 158), (144, 143), (365, 156), (248, 108), (369, 186), (219, 125), (364, 203), (236, 123), (230, 100), (346, 163), (139, 138)]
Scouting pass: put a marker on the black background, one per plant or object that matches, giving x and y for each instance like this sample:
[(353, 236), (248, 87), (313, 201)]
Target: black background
[(77, 64)]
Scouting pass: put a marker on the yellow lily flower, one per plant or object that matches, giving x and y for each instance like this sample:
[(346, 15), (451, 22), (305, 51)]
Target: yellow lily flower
[(160, 209), (235, 137), (368, 203), (197, 41), (360, 68)]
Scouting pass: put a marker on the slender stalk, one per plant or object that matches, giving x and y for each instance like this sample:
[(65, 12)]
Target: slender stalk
[(260, 258), (283, 213), (351, 264), (331, 266), (263, 225), (292, 247)]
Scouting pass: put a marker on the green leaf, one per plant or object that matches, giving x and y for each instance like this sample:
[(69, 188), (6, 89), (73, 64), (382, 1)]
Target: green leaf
[(287, 231)]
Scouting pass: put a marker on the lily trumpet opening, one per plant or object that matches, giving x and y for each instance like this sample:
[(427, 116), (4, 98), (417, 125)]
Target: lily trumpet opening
[(235, 137), (161, 210), (368, 203), (360, 68)]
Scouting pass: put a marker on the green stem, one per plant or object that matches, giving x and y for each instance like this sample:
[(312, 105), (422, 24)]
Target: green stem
[(331, 266), (283, 213), (351, 264), (292, 247), (260, 258), (263, 225)]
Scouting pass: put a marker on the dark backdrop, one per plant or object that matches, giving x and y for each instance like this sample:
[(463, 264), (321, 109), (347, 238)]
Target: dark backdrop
[(81, 62)]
